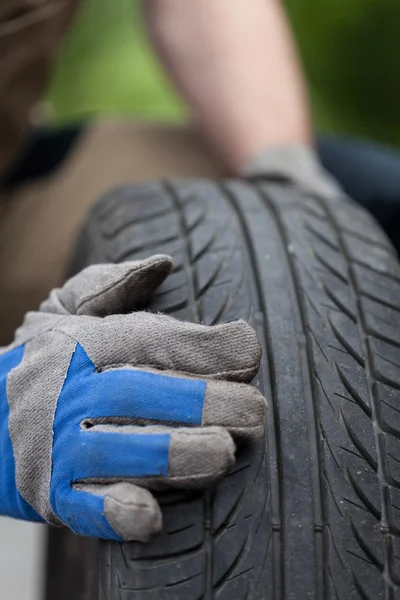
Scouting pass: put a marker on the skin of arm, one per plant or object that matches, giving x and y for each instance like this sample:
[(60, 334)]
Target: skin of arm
[(235, 64)]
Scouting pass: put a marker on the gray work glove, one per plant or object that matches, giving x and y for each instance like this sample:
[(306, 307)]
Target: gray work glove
[(98, 407), (296, 164)]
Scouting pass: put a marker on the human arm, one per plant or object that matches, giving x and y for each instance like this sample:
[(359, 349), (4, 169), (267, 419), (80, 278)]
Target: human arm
[(235, 64)]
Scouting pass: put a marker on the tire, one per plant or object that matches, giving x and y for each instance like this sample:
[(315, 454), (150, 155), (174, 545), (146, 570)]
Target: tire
[(313, 511)]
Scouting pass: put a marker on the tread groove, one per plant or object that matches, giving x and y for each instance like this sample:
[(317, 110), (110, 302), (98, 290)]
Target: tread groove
[(352, 391), (310, 391), (369, 267), (342, 307), (369, 375), (362, 238), (277, 542)]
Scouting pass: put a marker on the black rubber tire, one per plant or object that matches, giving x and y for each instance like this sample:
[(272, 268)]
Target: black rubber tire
[(314, 512)]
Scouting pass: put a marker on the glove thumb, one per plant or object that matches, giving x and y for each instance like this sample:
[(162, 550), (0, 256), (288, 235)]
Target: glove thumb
[(132, 512), (101, 290)]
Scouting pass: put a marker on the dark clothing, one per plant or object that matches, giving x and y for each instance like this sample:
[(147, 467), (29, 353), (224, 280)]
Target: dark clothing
[(370, 174)]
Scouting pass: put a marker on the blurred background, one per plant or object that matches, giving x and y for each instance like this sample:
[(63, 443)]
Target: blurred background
[(350, 50), (351, 54)]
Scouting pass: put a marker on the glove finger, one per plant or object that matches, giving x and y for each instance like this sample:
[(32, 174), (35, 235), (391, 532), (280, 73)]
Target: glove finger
[(230, 351), (178, 457), (294, 163), (156, 396), (101, 290), (121, 512), (238, 407), (198, 457)]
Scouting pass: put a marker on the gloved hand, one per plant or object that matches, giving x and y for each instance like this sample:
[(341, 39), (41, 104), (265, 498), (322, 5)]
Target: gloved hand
[(96, 408), (296, 164)]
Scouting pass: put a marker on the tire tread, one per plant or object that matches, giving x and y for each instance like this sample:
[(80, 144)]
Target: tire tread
[(314, 512)]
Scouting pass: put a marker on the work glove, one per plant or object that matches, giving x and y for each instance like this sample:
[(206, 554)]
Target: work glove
[(294, 164), (98, 407)]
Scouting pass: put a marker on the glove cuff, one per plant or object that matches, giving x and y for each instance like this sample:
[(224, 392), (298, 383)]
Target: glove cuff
[(296, 164)]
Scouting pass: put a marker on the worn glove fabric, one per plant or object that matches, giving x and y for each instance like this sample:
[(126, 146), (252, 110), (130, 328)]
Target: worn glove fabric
[(98, 407), (296, 164)]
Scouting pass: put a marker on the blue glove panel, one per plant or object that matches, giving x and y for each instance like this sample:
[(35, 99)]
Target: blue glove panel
[(80, 454), (78, 446), (12, 503), (129, 393)]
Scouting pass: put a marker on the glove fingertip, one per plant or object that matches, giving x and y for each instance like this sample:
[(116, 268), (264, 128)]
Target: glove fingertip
[(201, 456), (132, 512)]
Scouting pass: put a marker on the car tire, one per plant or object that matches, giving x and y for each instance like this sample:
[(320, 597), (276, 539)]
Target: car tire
[(313, 510)]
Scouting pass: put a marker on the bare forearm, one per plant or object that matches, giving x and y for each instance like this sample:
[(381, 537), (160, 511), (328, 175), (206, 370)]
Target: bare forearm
[(234, 63)]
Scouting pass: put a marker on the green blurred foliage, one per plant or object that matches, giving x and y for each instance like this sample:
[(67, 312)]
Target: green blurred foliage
[(106, 65), (350, 49)]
